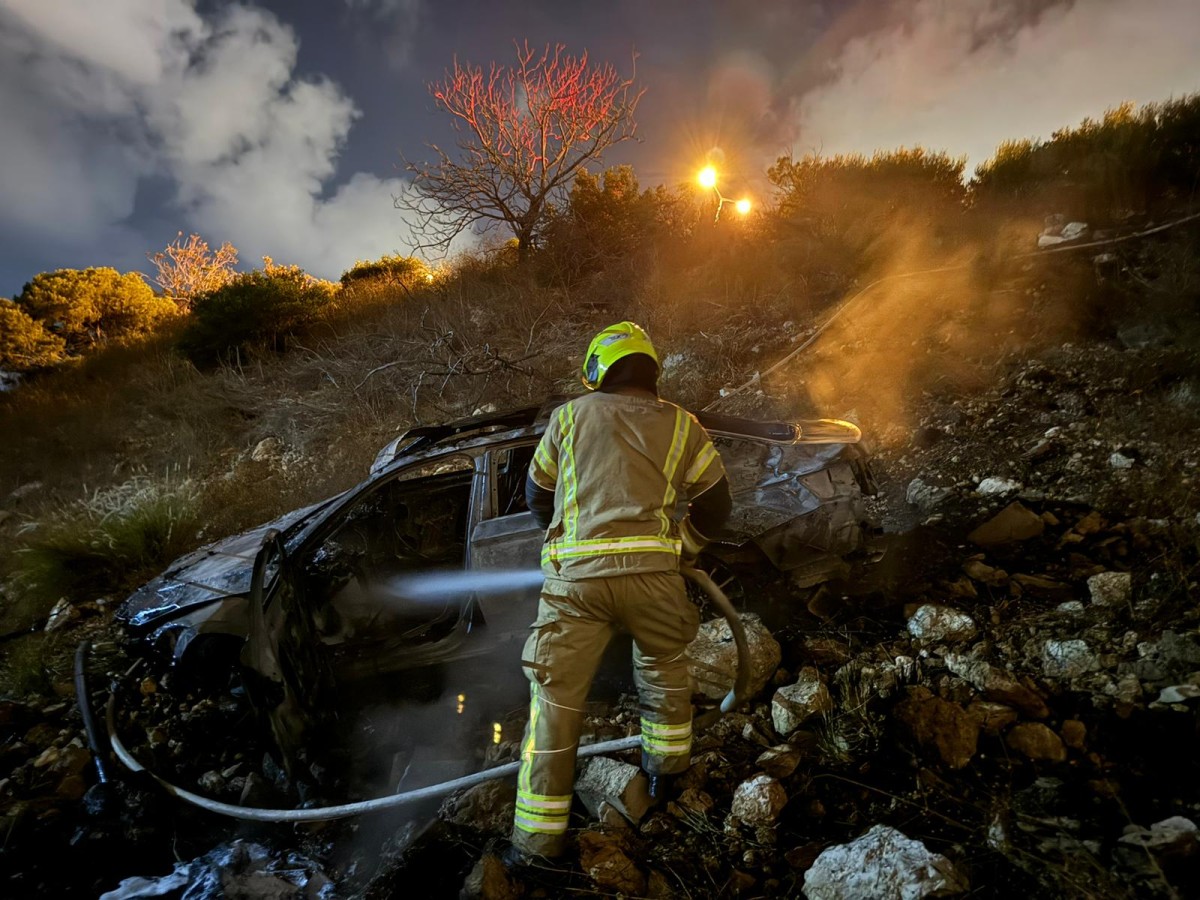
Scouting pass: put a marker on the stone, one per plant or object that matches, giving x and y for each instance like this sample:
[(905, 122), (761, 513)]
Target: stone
[(997, 485), (779, 761), (1036, 741), (1110, 589), (925, 496), (1073, 231), (713, 656), (939, 724), (605, 861), (882, 864), (61, 615), (1178, 693), (993, 718), (1068, 659), (1038, 584), (484, 807), (621, 785), (1120, 461), (691, 802), (1175, 836), (996, 684), (980, 571), (759, 801), (489, 880), (1074, 734), (932, 622), (267, 450), (1013, 524), (1070, 608), (795, 704)]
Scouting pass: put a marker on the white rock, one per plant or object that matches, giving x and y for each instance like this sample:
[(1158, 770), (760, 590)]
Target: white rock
[(941, 623), (712, 656), (997, 485), (1068, 659), (1048, 240), (882, 864), (759, 801), (1073, 231), (1178, 693), (1111, 588), (925, 496), (1175, 833), (795, 704), (61, 615), (1120, 461), (266, 450), (1070, 607), (618, 784)]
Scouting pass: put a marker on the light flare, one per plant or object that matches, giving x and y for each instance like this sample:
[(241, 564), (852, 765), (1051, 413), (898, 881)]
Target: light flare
[(707, 177), (742, 206)]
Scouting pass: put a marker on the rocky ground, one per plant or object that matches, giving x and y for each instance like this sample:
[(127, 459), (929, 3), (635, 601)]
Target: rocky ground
[(1007, 702)]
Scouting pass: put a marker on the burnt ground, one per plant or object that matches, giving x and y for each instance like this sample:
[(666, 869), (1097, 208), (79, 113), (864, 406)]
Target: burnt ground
[(1031, 736)]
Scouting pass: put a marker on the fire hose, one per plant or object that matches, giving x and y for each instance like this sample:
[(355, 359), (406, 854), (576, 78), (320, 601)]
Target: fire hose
[(736, 696)]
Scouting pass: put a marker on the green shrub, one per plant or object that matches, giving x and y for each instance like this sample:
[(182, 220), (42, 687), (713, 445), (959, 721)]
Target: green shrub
[(111, 541), (260, 309), (25, 343), (89, 306), (407, 271)]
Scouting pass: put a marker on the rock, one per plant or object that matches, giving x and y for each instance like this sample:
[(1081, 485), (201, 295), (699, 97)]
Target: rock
[(1073, 231), (1074, 734), (604, 859), (795, 704), (267, 450), (484, 807), (1012, 524), (61, 615), (1175, 836), (980, 571), (779, 761), (23, 491), (622, 786), (1120, 461), (1036, 741), (1178, 693), (941, 623), (713, 656), (997, 485), (691, 802), (1048, 240), (1070, 608), (1068, 659), (1109, 589), (1038, 584), (759, 801), (940, 724), (924, 496), (882, 864), (740, 883), (489, 880), (996, 684), (993, 718), (211, 782)]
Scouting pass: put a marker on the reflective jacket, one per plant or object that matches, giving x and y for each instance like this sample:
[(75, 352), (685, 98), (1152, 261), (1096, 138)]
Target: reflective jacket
[(618, 465)]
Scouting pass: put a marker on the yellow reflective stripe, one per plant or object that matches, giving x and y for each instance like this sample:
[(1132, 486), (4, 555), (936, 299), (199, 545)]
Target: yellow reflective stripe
[(527, 751), (703, 460), (636, 544), (658, 730), (570, 517), (534, 825), (543, 801), (663, 748), (544, 464), (683, 425)]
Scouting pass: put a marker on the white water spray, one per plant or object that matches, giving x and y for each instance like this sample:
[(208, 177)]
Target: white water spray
[(438, 586)]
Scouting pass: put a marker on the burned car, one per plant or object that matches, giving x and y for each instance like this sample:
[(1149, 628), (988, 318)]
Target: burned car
[(310, 600)]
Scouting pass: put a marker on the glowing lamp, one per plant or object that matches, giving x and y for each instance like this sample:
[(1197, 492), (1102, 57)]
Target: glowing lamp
[(742, 206), (708, 177)]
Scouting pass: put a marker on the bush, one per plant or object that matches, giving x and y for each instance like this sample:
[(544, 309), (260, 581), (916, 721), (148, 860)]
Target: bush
[(111, 541), (187, 269), (89, 306), (25, 344), (260, 309), (406, 271)]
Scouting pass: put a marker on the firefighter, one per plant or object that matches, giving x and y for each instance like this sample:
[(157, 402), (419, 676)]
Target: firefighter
[(604, 482)]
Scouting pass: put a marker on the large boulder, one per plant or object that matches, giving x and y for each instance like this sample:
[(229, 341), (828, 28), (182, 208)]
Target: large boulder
[(619, 784), (1110, 589), (795, 704), (1012, 524), (759, 801), (941, 725), (713, 656), (882, 864)]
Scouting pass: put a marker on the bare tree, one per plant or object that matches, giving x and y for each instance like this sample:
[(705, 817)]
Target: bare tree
[(188, 268), (523, 131)]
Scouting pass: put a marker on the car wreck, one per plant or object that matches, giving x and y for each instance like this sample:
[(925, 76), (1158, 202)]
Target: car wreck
[(309, 602)]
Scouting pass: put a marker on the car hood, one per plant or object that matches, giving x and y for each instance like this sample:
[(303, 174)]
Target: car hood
[(215, 572)]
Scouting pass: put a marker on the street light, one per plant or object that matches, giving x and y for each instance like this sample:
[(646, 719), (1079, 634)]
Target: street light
[(708, 180)]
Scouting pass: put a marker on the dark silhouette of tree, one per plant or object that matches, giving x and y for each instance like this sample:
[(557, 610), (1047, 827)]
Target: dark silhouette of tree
[(524, 131)]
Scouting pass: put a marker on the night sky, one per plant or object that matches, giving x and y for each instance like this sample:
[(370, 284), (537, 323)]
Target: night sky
[(279, 124)]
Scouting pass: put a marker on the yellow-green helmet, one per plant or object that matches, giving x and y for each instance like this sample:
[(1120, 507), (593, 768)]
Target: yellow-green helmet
[(613, 343)]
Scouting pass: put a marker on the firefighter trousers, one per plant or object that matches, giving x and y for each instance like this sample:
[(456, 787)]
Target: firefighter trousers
[(576, 620)]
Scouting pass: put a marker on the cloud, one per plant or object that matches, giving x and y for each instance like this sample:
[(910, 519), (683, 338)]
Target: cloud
[(965, 75), (98, 98)]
